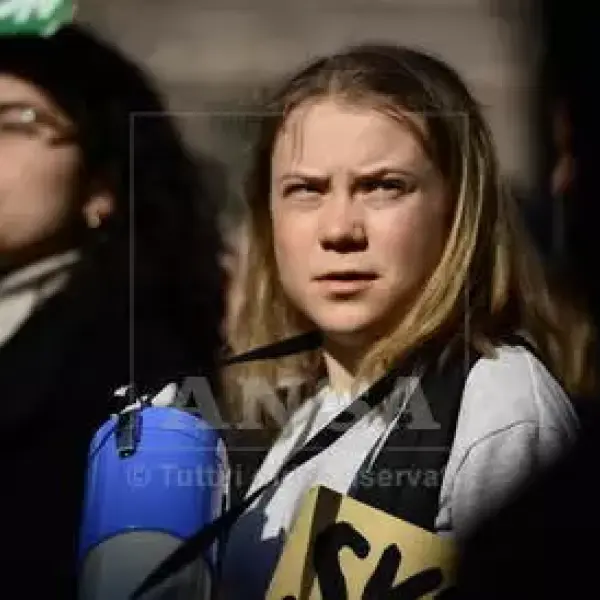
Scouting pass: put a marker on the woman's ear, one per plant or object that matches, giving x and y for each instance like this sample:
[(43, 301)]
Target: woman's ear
[(100, 206)]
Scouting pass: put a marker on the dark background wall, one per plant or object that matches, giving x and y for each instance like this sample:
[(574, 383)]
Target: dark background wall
[(211, 56)]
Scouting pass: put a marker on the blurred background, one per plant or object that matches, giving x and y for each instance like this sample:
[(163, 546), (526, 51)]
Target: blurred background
[(213, 57)]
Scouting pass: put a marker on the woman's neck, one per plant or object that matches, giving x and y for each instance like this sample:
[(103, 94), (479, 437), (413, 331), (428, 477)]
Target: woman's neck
[(342, 361)]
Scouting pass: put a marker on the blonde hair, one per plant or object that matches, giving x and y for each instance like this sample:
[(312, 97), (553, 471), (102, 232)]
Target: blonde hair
[(489, 281)]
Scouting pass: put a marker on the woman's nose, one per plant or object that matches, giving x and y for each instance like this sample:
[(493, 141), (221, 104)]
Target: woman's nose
[(342, 226)]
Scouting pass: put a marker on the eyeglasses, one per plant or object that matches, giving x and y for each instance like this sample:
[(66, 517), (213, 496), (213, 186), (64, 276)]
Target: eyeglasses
[(21, 121)]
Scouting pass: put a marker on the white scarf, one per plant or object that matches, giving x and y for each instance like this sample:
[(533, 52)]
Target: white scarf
[(22, 292)]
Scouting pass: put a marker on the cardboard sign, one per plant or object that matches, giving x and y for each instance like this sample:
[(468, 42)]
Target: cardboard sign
[(341, 549)]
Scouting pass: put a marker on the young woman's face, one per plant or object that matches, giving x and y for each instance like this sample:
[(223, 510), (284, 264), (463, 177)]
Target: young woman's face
[(38, 173), (359, 217)]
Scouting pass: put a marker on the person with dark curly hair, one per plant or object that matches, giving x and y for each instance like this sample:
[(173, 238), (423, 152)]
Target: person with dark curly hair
[(109, 274)]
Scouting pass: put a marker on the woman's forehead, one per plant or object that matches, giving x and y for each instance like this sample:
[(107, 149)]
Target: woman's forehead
[(329, 132)]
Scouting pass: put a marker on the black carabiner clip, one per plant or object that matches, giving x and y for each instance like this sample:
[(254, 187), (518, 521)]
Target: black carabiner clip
[(127, 432)]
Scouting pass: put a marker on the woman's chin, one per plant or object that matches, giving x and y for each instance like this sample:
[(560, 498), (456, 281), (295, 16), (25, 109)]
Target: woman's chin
[(347, 330)]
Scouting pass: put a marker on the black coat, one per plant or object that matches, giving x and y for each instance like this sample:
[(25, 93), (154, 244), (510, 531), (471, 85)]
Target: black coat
[(57, 375)]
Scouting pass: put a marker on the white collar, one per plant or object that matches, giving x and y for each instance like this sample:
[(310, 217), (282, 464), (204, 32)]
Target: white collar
[(23, 292), (35, 273)]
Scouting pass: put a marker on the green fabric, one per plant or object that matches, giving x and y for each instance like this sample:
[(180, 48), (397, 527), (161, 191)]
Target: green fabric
[(38, 17)]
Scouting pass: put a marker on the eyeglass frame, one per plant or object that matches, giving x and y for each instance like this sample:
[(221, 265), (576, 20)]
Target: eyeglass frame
[(60, 133)]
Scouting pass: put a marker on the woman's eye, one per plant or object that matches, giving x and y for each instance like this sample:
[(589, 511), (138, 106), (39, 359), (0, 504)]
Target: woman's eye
[(389, 187), (17, 121), (300, 189)]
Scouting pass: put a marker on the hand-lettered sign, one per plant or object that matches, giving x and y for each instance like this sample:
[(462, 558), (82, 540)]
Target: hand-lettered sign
[(341, 549)]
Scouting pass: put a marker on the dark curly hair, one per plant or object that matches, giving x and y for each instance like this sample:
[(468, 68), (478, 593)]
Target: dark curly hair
[(162, 246)]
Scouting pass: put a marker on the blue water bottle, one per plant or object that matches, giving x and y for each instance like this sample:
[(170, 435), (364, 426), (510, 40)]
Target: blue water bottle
[(155, 476)]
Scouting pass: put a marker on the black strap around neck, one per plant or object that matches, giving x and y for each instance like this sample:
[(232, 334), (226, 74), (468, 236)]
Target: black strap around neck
[(418, 503), (201, 541), (406, 476), (294, 345)]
